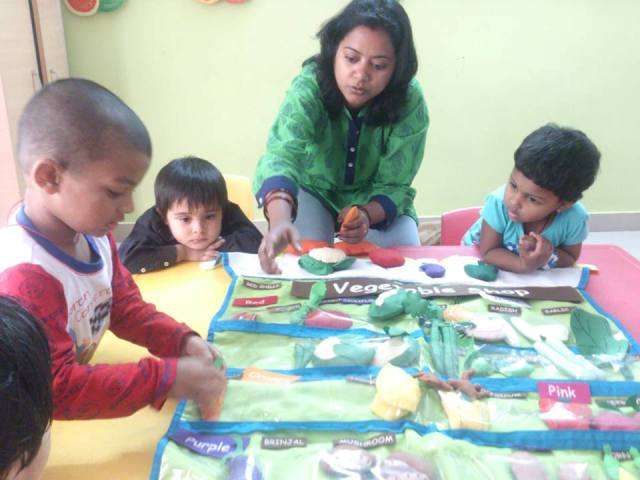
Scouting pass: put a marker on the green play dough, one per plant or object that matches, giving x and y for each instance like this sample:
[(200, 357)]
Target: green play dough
[(317, 267), (392, 306), (433, 311), (314, 266), (302, 353), (482, 271), (109, 5), (482, 367), (410, 356), (520, 368), (334, 352), (316, 295), (404, 301), (401, 351), (593, 334), (344, 264), (415, 305)]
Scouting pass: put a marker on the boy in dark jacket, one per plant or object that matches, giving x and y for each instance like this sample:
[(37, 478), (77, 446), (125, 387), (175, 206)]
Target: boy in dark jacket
[(192, 220)]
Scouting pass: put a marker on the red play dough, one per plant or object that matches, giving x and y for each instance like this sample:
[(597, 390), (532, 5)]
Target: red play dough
[(356, 249), (565, 416), (83, 7), (328, 319), (387, 258)]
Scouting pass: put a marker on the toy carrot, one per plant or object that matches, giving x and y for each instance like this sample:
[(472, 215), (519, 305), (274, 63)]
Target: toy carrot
[(351, 216)]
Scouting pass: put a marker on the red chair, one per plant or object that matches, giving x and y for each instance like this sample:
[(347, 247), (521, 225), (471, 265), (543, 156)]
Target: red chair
[(454, 224)]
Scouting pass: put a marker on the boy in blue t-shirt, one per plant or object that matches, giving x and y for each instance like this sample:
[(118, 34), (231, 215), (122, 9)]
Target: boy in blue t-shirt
[(535, 220)]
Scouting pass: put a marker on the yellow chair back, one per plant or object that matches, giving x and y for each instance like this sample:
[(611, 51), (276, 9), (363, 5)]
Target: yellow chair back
[(239, 188)]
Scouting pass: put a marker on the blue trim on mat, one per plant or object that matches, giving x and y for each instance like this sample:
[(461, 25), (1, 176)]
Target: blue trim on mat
[(549, 440), (298, 331), (162, 444), (317, 374), (227, 297), (599, 388), (363, 426), (290, 330), (584, 278)]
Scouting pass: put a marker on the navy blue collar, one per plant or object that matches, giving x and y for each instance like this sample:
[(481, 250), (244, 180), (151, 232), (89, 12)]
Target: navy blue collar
[(93, 266)]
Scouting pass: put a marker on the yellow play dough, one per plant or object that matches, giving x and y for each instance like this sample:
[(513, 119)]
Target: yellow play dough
[(397, 393), (473, 415)]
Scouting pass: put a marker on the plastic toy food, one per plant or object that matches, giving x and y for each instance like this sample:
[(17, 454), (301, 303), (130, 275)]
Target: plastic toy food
[(397, 393), (345, 461)]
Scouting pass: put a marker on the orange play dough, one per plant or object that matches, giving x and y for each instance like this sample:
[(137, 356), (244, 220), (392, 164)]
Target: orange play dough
[(306, 245), (356, 249)]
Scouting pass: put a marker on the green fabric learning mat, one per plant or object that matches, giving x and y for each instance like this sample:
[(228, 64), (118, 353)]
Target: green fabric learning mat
[(373, 378)]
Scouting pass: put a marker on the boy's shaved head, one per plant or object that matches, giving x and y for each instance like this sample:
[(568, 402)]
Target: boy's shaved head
[(72, 121)]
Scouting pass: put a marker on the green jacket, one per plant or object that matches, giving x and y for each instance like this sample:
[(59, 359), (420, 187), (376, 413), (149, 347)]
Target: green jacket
[(343, 161)]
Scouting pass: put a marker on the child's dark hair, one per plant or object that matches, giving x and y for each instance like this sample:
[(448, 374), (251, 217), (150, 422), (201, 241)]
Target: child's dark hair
[(73, 121), (26, 406), (192, 179), (559, 159), (389, 16)]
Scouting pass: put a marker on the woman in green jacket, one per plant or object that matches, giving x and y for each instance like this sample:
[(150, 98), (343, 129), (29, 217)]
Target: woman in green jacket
[(351, 132)]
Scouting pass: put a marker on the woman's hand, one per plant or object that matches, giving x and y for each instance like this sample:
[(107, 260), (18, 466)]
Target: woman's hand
[(274, 242), (355, 230)]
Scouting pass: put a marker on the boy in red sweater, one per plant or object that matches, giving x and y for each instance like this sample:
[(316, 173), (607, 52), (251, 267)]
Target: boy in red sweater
[(83, 151)]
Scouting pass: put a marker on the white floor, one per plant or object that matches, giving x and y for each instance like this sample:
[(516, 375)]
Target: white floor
[(629, 240)]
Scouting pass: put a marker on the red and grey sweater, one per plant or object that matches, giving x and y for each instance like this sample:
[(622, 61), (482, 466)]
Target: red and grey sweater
[(77, 302)]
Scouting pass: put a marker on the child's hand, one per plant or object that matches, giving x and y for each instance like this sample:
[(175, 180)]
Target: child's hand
[(194, 346), (186, 254), (199, 380), (355, 230), (539, 256), (527, 243), (275, 241)]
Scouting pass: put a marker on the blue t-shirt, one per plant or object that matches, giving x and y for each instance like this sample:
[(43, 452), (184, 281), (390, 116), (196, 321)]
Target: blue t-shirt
[(569, 227)]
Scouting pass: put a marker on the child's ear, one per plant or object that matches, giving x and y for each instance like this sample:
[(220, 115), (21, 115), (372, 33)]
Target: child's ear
[(163, 217), (565, 206), (47, 175)]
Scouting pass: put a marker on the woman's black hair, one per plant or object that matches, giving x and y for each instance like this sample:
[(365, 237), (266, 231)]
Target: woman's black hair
[(192, 179), (389, 16), (26, 406)]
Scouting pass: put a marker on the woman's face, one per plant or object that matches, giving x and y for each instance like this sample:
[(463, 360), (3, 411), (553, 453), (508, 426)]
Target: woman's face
[(364, 64)]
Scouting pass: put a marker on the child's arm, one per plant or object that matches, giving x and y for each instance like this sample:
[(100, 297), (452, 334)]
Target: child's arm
[(85, 391), (197, 376), (493, 252), (142, 258), (568, 255), (139, 322), (239, 233), (146, 248)]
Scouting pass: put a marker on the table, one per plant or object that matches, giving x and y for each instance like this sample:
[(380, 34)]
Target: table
[(124, 448)]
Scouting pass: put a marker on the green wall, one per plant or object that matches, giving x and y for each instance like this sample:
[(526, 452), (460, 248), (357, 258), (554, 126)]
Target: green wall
[(208, 80)]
